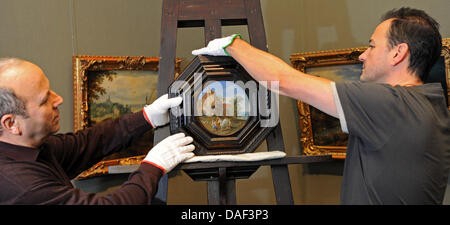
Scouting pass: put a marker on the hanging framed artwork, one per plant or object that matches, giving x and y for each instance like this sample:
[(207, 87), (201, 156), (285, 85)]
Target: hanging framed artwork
[(320, 133), (106, 87), (441, 70)]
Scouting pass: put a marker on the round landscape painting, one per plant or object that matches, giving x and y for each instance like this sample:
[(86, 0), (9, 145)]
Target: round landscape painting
[(223, 108)]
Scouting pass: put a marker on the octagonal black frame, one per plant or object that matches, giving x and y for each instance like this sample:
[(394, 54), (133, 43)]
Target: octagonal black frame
[(189, 84)]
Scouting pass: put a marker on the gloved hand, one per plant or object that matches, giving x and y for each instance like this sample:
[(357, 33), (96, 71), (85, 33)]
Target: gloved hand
[(157, 113), (217, 46), (170, 152)]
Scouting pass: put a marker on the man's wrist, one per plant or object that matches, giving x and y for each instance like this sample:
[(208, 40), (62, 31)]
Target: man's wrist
[(155, 165), (147, 118), (235, 36)]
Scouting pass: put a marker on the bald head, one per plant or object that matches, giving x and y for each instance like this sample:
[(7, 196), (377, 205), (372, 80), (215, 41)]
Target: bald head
[(8, 63), (20, 76), (12, 72), (11, 69)]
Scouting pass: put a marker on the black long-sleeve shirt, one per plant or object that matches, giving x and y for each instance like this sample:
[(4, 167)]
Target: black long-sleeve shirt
[(42, 175)]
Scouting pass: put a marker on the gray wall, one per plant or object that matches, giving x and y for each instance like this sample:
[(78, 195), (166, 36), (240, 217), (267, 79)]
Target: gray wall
[(49, 32)]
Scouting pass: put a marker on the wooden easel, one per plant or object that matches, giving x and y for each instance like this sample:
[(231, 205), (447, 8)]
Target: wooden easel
[(212, 15)]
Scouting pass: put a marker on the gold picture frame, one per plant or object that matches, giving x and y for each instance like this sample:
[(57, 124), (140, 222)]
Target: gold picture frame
[(336, 58), (97, 80), (446, 55)]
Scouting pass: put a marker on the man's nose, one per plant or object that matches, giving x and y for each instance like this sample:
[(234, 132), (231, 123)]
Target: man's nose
[(58, 100), (362, 57)]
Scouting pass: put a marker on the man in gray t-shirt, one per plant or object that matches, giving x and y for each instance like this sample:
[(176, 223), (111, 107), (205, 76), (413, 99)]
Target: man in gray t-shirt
[(399, 147), (398, 150)]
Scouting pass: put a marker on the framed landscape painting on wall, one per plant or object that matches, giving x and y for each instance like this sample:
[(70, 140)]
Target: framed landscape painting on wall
[(321, 134), (108, 87)]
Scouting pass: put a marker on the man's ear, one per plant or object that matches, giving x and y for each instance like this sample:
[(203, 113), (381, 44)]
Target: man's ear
[(401, 51), (10, 124)]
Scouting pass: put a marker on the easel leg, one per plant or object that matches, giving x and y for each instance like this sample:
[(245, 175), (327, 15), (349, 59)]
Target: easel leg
[(213, 192), (280, 173), (222, 191), (282, 185), (163, 185)]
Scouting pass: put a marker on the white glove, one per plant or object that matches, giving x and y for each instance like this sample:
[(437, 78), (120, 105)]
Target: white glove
[(157, 113), (170, 152), (217, 46)]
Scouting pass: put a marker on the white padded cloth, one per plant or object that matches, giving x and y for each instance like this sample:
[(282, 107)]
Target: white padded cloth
[(258, 156)]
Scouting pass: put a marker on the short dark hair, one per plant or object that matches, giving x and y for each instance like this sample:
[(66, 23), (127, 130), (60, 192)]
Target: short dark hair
[(421, 32)]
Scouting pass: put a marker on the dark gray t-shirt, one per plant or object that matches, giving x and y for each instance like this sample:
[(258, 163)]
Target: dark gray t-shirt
[(399, 143)]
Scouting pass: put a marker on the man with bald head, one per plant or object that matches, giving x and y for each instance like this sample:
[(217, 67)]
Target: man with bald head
[(39, 114), (36, 165)]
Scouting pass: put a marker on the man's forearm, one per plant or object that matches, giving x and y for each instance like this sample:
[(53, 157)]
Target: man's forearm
[(263, 66)]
